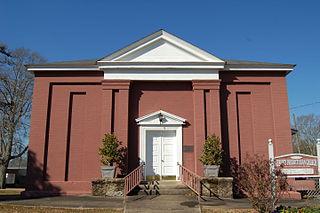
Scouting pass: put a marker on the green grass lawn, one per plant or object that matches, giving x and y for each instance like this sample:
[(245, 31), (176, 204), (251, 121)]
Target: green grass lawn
[(15, 209), (5, 208), (11, 191), (211, 210)]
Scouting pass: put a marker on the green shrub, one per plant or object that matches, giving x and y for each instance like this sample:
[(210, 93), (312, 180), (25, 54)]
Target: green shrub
[(111, 152), (212, 151)]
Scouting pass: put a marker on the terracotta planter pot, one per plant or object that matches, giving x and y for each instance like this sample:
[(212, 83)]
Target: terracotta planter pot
[(211, 170)]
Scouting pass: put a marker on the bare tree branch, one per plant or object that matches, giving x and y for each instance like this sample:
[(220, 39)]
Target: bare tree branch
[(20, 154), (308, 127), (4, 50)]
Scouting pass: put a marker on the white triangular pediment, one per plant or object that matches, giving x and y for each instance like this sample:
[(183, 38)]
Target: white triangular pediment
[(161, 51), (160, 118), (161, 47)]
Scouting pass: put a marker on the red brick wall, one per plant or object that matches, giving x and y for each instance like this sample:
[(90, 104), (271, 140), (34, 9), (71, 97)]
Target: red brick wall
[(71, 112), (254, 108), (172, 97), (65, 132)]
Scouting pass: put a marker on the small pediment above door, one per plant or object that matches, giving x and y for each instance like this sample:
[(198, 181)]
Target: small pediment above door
[(160, 118)]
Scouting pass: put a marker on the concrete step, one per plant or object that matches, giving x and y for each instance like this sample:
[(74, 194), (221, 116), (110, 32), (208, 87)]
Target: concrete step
[(163, 187), (171, 192), (162, 182), (163, 192)]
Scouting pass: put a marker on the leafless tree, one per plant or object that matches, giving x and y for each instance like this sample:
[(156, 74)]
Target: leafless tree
[(308, 127), (16, 86), (4, 50)]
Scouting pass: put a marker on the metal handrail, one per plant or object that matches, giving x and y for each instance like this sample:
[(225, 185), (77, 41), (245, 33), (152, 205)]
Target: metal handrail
[(133, 179), (190, 179)]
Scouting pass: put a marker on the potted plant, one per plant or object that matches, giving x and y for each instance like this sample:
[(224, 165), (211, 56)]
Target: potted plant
[(111, 153), (212, 156)]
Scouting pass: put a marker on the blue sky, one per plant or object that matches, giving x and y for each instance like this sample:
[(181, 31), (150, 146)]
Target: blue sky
[(273, 31)]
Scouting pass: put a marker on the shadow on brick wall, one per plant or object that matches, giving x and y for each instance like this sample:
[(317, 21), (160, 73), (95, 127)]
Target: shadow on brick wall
[(37, 183)]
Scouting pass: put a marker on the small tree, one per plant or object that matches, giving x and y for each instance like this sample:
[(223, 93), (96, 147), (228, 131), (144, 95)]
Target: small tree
[(212, 151), (256, 181), (111, 152)]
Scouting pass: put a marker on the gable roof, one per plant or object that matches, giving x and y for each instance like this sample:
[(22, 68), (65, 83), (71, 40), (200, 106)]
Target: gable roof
[(93, 63), (161, 50), (256, 63), (77, 63)]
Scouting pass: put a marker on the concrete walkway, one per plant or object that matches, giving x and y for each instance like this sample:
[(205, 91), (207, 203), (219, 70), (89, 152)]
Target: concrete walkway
[(214, 203), (142, 203), (85, 201), (138, 203), (161, 204)]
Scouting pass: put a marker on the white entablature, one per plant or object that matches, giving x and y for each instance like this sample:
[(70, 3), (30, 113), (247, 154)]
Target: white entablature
[(160, 47), (161, 56)]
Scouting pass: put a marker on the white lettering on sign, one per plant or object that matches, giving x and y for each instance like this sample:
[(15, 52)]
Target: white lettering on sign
[(297, 171), (302, 162)]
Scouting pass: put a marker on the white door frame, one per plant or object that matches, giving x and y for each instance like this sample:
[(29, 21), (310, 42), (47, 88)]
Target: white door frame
[(161, 127), (160, 120)]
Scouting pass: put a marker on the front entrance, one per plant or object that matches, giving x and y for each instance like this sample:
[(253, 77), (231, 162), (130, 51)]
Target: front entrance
[(161, 144), (161, 156)]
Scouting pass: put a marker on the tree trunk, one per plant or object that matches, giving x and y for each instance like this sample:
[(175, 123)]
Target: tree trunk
[(3, 169)]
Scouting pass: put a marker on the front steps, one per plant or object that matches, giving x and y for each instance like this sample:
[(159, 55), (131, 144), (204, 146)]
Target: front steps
[(162, 187)]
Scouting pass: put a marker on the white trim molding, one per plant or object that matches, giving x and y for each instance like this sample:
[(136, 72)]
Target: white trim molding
[(63, 69), (287, 69), (162, 75), (108, 66)]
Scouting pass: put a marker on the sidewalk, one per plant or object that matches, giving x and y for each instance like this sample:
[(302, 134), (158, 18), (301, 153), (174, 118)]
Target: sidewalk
[(84, 201), (139, 203), (142, 203), (162, 203), (214, 203)]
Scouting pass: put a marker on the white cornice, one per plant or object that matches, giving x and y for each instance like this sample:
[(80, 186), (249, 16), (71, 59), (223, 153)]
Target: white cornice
[(199, 67), (217, 67), (63, 69), (258, 68)]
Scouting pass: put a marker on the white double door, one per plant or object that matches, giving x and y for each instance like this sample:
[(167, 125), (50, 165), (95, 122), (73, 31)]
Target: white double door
[(161, 155)]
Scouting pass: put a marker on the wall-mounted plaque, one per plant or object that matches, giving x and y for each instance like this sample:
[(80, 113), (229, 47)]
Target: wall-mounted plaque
[(187, 148)]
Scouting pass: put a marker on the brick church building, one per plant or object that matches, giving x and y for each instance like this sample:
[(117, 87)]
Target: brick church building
[(126, 92)]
